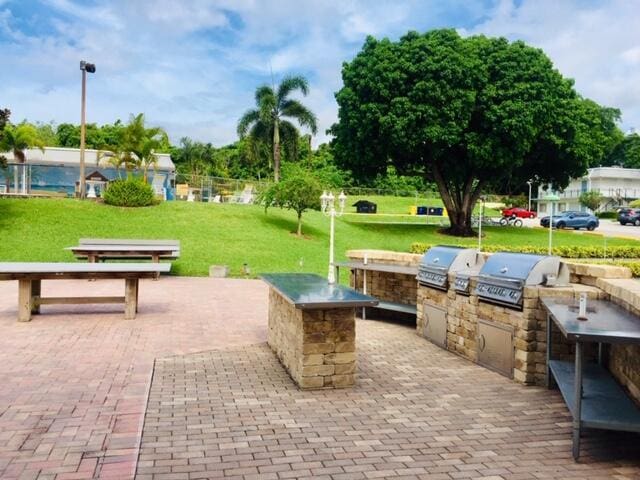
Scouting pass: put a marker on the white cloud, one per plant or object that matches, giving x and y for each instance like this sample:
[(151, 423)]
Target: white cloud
[(192, 66), (598, 45)]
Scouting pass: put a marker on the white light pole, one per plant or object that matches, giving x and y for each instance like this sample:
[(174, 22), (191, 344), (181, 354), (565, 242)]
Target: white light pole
[(551, 199), (529, 182), (91, 68), (327, 202), (480, 224)]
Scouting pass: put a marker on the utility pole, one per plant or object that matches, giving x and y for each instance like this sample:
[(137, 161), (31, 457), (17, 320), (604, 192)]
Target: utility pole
[(91, 68)]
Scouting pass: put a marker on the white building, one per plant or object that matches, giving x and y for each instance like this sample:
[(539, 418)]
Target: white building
[(617, 185)]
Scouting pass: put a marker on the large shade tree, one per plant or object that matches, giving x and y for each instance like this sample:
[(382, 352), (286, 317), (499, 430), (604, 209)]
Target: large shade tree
[(467, 113), (268, 120)]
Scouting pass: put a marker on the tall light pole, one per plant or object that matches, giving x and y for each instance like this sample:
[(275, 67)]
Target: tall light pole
[(551, 199), (91, 68), (480, 224), (529, 182), (327, 202)]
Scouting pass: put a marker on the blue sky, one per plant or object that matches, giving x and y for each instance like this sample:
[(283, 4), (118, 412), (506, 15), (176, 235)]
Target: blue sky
[(192, 66)]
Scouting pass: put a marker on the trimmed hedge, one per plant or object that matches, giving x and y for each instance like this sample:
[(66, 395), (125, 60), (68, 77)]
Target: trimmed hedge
[(620, 252), (129, 193), (611, 215)]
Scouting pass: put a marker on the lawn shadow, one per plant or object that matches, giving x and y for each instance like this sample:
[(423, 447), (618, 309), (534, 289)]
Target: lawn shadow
[(290, 225)]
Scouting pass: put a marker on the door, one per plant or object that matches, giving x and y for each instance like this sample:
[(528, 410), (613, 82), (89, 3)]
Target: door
[(495, 347), (435, 324)]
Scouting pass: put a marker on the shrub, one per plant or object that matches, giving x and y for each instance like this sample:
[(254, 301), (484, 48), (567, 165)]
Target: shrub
[(607, 214), (131, 192), (566, 251)]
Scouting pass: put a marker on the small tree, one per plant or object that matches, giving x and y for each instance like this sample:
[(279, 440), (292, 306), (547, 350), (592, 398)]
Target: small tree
[(299, 193), (18, 139), (4, 119), (591, 199)]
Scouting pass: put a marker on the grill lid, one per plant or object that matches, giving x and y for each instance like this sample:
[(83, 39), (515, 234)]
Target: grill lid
[(444, 256), (525, 267), (440, 260), (504, 276)]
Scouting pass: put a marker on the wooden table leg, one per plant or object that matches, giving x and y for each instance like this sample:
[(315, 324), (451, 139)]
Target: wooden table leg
[(155, 258), (130, 298), (24, 300), (92, 258), (35, 296)]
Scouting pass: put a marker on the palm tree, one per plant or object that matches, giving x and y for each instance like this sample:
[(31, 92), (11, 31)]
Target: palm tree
[(137, 147), (144, 143), (267, 120), (16, 140)]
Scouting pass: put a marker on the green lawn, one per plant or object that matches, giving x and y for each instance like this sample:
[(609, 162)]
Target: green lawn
[(39, 229)]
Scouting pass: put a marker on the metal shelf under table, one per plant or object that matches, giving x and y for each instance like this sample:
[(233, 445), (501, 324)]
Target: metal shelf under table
[(592, 395)]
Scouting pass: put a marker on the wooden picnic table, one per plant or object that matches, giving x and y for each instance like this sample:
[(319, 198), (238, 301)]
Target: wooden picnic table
[(100, 249), (30, 275)]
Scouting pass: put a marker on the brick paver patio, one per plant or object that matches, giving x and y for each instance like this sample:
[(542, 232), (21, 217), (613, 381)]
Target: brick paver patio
[(74, 385), (417, 412)]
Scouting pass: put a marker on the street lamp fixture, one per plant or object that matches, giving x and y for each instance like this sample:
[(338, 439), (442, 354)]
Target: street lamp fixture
[(327, 204), (90, 68)]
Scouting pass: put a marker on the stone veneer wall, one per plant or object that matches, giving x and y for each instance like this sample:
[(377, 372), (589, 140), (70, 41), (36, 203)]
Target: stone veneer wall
[(392, 287), (598, 281), (317, 347)]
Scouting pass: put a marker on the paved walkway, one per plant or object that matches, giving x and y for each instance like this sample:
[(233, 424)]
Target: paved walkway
[(417, 412), (73, 384)]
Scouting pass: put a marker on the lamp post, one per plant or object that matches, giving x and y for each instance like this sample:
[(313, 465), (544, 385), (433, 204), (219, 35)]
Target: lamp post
[(529, 182), (91, 68), (327, 203), (551, 199), (480, 224)]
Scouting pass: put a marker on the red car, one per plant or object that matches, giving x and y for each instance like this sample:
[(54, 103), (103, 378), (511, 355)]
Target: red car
[(518, 212)]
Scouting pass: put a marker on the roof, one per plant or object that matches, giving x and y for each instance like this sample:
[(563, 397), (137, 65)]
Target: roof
[(362, 202), (71, 157), (614, 172)]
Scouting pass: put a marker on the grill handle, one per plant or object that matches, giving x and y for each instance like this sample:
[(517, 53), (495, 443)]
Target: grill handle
[(482, 342)]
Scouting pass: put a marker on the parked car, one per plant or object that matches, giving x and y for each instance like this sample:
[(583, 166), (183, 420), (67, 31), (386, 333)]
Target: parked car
[(573, 220), (629, 215), (518, 212)]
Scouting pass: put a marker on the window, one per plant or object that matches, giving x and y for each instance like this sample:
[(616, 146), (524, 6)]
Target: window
[(542, 208)]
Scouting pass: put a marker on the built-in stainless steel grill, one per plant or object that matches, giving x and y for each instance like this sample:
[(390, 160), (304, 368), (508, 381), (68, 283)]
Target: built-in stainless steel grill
[(440, 260), (504, 275)]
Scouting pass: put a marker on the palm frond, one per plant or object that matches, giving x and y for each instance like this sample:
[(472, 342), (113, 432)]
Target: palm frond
[(304, 116), (250, 117), (264, 92), (291, 83)]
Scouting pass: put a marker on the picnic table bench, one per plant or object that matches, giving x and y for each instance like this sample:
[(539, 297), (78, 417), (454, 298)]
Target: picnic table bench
[(101, 249), (30, 275)]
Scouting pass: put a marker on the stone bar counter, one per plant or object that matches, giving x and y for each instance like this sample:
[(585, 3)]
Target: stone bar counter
[(312, 328)]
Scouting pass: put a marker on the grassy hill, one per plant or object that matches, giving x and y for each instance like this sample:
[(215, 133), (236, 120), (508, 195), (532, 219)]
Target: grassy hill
[(221, 234)]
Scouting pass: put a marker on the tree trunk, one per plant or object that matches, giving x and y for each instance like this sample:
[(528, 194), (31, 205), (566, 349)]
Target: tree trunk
[(299, 224), (459, 203), (276, 152)]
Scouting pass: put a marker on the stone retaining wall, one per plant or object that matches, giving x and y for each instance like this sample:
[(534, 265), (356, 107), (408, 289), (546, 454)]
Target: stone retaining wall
[(317, 347)]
